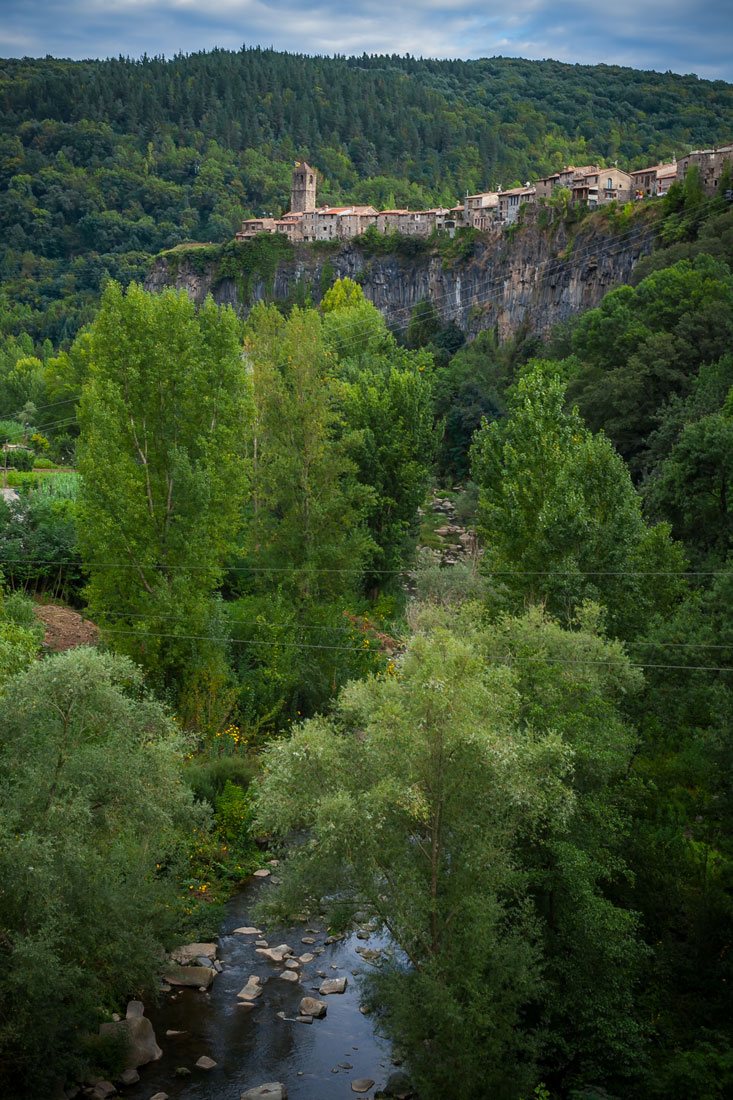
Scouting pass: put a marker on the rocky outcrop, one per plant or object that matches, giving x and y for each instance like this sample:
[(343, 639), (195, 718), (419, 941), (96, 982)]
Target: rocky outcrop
[(533, 278)]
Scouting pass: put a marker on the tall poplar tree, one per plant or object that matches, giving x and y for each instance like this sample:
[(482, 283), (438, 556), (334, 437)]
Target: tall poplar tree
[(164, 415)]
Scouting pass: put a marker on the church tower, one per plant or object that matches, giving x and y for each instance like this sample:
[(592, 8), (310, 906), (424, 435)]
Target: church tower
[(303, 190)]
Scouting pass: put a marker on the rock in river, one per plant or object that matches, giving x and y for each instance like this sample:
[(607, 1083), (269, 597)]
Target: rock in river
[(276, 954), (191, 952), (272, 1091), (332, 985), (205, 1062), (252, 989), (309, 1006), (193, 976), (362, 1084)]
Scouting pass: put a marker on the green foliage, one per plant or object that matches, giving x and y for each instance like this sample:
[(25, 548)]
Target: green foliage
[(643, 347), (38, 540), (559, 516), (471, 387), (393, 792), (21, 459), (92, 807), (20, 635), (163, 417)]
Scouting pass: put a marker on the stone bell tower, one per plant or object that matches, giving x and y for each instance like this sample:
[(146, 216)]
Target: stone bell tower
[(303, 190)]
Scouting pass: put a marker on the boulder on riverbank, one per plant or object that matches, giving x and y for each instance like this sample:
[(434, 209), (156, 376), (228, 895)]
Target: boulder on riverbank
[(191, 976), (139, 1036), (189, 953)]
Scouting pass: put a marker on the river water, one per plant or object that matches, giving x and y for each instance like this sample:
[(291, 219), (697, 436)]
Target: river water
[(254, 1046)]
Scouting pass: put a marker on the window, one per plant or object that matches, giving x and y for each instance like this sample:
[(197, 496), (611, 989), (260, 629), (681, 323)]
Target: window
[(609, 184)]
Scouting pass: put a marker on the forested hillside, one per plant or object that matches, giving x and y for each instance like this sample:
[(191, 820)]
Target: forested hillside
[(457, 614), (103, 163)]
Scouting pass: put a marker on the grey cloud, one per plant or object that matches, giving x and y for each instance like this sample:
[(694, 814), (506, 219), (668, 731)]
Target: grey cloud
[(681, 35)]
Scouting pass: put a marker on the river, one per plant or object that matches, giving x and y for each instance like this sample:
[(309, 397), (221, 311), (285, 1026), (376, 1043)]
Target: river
[(254, 1046)]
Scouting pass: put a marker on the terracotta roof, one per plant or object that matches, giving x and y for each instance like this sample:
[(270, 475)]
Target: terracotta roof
[(654, 168), (394, 211)]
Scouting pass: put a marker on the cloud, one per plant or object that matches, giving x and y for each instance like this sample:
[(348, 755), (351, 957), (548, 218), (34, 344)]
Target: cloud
[(682, 35)]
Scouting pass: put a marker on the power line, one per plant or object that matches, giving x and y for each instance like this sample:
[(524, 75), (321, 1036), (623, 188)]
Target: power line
[(407, 571), (355, 628), (493, 658)]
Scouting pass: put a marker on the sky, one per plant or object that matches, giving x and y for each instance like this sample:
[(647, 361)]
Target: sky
[(684, 36)]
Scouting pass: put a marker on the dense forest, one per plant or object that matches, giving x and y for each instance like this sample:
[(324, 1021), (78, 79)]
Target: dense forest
[(512, 754), (104, 162)]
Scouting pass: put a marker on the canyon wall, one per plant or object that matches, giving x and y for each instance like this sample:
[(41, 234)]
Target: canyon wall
[(532, 277)]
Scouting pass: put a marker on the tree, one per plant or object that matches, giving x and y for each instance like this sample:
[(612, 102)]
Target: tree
[(559, 516), (383, 395), (93, 810), (694, 485), (383, 787), (165, 416), (475, 802), (305, 538), (20, 633), (308, 508)]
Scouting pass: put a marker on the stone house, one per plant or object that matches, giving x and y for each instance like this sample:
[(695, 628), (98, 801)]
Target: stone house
[(337, 222), (546, 186), (480, 211), (252, 226), (654, 181), (710, 163), (388, 221), (510, 202), (354, 221), (600, 186)]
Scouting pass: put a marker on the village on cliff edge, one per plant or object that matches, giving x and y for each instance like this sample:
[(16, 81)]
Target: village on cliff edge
[(590, 186)]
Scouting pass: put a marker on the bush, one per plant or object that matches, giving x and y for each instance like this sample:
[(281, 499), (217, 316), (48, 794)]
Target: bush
[(207, 778), (22, 459)]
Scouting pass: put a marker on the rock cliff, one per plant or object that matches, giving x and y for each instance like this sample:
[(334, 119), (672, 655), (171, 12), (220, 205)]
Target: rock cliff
[(533, 276)]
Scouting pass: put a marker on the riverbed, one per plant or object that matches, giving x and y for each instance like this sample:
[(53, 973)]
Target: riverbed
[(252, 1046)]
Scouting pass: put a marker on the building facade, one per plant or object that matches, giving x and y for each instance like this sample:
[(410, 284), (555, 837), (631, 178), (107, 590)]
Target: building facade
[(510, 202), (709, 162)]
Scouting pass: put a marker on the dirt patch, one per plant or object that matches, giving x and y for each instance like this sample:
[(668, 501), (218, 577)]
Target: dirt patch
[(65, 628)]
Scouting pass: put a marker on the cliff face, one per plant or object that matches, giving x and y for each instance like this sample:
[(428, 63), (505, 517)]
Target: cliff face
[(533, 277)]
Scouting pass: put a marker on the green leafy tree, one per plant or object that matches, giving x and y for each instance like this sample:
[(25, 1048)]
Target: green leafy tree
[(308, 508), (559, 516), (165, 416), (522, 721), (382, 787), (305, 540), (92, 809), (384, 400), (20, 633)]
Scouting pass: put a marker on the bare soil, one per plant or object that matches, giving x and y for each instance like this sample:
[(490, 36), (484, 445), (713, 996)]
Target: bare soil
[(65, 628)]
